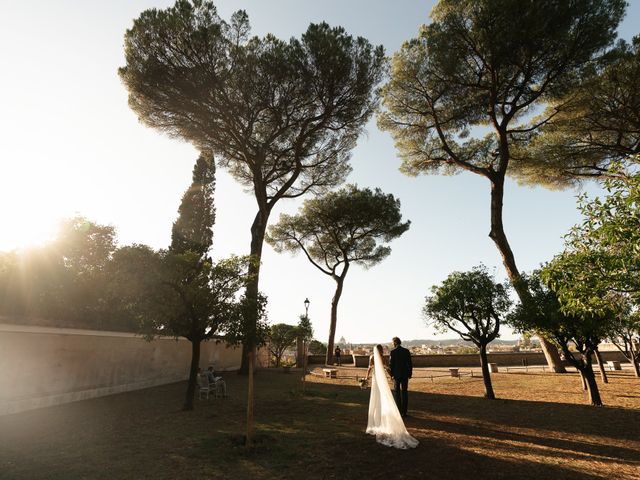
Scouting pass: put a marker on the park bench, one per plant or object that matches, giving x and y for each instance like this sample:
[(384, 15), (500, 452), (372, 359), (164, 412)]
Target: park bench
[(614, 365), (330, 372), (493, 368), (454, 372)]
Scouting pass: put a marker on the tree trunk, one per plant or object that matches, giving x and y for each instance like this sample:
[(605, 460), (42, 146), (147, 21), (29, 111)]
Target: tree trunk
[(193, 373), (630, 353), (551, 354), (304, 366), (592, 386), (603, 373), (568, 354), (634, 358), (247, 365), (583, 380), (258, 229), (334, 316), (299, 352), (499, 237), (249, 432), (486, 376)]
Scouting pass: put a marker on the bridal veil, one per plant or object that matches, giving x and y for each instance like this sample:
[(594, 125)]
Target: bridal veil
[(385, 421)]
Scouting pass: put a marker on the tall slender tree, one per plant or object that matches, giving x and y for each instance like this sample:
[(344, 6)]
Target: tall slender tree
[(283, 117), (180, 292), (304, 336), (188, 257), (462, 93), (342, 228)]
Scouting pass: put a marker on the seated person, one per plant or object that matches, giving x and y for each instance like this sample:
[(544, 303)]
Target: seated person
[(217, 381)]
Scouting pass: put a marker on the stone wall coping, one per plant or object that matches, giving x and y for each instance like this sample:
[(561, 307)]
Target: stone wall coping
[(16, 328)]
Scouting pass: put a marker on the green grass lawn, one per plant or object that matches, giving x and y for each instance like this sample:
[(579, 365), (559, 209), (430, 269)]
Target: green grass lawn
[(539, 429)]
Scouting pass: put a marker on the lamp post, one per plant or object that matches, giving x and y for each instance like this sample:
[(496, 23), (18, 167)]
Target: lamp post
[(304, 346)]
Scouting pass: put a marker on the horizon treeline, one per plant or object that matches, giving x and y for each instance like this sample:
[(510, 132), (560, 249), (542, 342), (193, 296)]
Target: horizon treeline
[(70, 281)]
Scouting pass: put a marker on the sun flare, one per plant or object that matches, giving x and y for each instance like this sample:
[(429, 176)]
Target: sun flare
[(33, 199), (22, 230)]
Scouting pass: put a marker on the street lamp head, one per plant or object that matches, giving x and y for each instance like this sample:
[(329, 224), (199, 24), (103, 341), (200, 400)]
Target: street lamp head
[(306, 303)]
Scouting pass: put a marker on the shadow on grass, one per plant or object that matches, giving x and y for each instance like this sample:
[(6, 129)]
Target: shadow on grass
[(613, 422), (315, 435)]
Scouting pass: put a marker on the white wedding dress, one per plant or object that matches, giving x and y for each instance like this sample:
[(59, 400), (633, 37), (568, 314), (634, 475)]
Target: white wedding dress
[(385, 421)]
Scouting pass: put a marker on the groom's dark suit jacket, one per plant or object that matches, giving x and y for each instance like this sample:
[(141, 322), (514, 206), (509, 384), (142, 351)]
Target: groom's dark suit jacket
[(400, 363)]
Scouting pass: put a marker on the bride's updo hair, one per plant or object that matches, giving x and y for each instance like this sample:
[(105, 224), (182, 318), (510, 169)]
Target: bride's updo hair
[(379, 347)]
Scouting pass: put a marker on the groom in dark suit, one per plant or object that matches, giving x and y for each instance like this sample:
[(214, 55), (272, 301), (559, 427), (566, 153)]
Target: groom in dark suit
[(401, 369)]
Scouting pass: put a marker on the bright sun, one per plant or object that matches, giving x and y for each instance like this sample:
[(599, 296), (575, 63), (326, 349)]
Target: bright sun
[(24, 228), (31, 207), (34, 195)]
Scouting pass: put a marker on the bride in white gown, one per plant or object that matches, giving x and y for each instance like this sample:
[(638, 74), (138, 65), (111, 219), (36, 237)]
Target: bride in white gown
[(385, 421)]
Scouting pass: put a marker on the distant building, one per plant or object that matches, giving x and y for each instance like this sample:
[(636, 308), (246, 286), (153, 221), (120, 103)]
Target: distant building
[(360, 350), (502, 348)]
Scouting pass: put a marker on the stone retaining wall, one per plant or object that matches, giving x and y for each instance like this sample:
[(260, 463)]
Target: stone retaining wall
[(42, 366), (466, 360)]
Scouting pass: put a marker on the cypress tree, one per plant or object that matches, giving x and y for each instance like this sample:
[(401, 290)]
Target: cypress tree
[(193, 229)]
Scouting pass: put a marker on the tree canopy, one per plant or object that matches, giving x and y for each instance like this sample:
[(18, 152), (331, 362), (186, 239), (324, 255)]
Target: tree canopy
[(470, 304), (593, 126), (316, 347), (304, 329), (281, 337), (283, 116), (624, 331), (344, 227), (193, 229), (602, 253), (488, 65)]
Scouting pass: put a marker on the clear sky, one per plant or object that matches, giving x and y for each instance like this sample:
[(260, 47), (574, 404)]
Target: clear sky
[(69, 144)]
